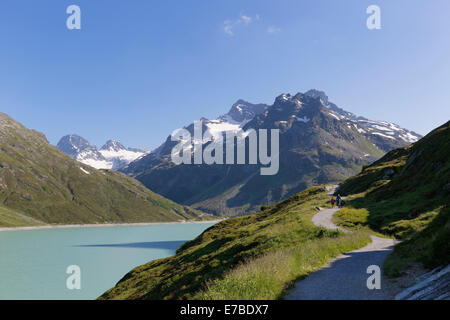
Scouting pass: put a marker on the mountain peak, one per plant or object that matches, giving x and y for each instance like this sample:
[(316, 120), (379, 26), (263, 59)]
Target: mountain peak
[(242, 111), (283, 97), (72, 144), (113, 145), (73, 137), (317, 94)]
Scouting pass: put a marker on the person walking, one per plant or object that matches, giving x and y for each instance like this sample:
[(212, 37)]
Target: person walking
[(338, 200), (332, 202)]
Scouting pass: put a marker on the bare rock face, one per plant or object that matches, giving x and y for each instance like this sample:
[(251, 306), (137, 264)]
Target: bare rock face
[(434, 285)]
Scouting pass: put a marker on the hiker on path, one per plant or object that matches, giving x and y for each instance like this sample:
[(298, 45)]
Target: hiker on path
[(338, 200), (332, 202)]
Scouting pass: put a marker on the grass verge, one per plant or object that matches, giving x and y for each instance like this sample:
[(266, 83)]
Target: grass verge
[(270, 276)]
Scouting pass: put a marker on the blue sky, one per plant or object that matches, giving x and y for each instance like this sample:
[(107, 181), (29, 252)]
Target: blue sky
[(139, 69)]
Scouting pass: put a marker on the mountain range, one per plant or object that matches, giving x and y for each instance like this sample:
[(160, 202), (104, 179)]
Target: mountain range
[(112, 155), (39, 185), (319, 143)]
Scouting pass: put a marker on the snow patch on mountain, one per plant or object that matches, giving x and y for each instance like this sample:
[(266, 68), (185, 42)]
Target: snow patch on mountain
[(239, 115), (384, 129), (216, 126), (334, 115), (84, 170), (304, 119)]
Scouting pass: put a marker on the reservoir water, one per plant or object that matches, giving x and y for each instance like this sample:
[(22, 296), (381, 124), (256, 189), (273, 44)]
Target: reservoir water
[(33, 263)]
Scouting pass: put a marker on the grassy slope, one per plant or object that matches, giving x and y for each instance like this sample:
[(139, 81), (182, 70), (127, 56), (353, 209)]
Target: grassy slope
[(238, 258), (40, 184), (406, 194), (269, 276), (11, 218)]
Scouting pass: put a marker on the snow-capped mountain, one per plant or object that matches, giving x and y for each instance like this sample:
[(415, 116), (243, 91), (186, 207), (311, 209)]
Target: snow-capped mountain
[(116, 153), (379, 130), (113, 155), (319, 143), (242, 112), (239, 115)]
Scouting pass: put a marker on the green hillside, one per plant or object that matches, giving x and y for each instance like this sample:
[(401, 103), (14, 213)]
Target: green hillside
[(406, 194), (41, 185), (257, 256), (11, 218)]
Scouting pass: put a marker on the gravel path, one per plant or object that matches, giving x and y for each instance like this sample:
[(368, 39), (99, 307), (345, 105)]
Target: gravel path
[(345, 278), (324, 219)]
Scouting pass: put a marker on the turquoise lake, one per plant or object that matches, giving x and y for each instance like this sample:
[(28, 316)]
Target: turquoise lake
[(33, 263)]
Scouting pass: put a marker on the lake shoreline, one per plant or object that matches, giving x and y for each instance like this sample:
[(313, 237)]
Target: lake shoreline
[(69, 226)]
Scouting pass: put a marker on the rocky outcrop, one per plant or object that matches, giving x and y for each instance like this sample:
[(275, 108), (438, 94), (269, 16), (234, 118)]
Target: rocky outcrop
[(434, 285)]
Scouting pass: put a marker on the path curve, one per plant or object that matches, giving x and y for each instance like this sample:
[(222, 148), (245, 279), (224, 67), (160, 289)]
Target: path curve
[(345, 278), (324, 218)]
